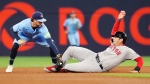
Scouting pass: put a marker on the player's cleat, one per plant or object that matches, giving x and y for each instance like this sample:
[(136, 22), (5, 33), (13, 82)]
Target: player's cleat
[(9, 69), (50, 69)]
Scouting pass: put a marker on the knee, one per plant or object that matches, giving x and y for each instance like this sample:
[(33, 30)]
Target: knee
[(71, 49), (66, 66), (16, 45)]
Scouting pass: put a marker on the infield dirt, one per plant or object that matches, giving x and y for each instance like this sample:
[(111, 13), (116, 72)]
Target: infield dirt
[(38, 76)]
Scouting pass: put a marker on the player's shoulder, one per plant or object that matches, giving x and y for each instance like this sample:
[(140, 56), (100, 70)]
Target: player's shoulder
[(68, 19), (77, 19), (128, 48), (44, 26), (23, 22), (26, 20), (125, 48)]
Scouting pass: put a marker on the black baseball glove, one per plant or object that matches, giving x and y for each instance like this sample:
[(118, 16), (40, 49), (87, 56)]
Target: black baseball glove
[(59, 63)]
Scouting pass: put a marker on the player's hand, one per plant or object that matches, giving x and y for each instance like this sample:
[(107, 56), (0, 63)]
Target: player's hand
[(122, 14), (78, 27), (66, 32), (21, 42), (134, 71)]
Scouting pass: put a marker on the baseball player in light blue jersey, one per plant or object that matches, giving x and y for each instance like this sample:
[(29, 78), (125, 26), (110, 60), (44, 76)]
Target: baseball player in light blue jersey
[(31, 29), (73, 24)]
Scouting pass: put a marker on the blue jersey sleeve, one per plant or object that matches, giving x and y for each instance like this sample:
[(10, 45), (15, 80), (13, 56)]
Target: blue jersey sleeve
[(19, 26), (45, 31), (16, 28), (15, 34), (79, 25), (66, 23)]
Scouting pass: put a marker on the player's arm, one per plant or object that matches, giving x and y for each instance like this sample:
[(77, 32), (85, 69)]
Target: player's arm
[(49, 40), (139, 65), (52, 45), (117, 23), (66, 31), (132, 55), (65, 26), (79, 25), (14, 31)]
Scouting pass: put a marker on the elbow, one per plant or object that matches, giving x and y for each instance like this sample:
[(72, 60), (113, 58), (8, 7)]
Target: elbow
[(11, 29)]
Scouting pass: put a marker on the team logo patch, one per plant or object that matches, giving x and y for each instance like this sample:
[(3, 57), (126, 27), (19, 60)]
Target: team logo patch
[(47, 35)]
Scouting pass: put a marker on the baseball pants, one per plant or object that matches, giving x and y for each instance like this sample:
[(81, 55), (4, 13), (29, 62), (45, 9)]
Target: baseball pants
[(74, 39), (86, 57)]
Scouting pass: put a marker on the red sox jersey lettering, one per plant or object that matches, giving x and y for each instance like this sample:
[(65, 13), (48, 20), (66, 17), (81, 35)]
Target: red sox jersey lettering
[(113, 48)]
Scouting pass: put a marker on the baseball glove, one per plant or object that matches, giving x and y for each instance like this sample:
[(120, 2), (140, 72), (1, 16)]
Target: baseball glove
[(59, 63)]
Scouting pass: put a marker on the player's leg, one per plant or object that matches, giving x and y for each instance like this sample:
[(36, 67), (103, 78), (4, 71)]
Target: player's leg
[(39, 39), (53, 56), (75, 52), (79, 53), (72, 39), (13, 55), (77, 38), (14, 51), (88, 65)]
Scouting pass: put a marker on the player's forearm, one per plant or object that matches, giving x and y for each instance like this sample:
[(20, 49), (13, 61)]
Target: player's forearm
[(140, 63), (116, 26), (53, 46), (15, 34), (78, 28), (65, 27)]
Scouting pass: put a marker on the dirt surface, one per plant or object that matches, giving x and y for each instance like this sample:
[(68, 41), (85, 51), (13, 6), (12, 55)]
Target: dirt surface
[(38, 76)]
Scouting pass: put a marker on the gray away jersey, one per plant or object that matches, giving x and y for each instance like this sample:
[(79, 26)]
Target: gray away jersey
[(115, 55)]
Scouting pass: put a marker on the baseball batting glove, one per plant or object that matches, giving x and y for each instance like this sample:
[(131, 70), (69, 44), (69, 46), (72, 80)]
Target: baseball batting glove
[(136, 70)]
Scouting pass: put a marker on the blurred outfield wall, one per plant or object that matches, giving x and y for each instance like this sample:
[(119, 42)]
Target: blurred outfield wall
[(97, 17)]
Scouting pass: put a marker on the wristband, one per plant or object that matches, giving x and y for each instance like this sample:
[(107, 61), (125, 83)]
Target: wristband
[(137, 68)]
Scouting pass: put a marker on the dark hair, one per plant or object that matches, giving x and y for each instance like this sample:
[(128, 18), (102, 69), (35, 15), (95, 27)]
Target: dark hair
[(32, 19), (124, 40)]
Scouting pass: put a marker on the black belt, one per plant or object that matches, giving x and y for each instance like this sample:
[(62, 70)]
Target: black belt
[(98, 61)]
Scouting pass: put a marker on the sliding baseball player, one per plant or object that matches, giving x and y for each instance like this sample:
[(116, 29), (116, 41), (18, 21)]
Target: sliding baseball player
[(102, 61)]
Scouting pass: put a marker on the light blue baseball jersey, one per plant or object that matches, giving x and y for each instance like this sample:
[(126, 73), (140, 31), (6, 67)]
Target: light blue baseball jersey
[(25, 27), (72, 24)]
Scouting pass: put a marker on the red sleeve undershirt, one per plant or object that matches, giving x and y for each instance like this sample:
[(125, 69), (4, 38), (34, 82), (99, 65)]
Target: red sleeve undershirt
[(115, 27), (139, 61)]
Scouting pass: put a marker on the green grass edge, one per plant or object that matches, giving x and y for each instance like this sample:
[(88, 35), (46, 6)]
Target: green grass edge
[(129, 75), (42, 61)]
